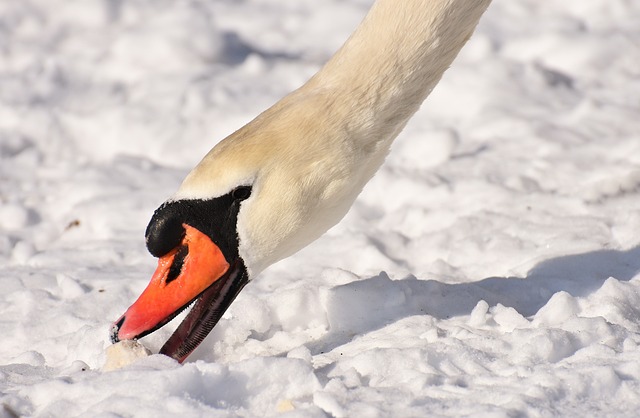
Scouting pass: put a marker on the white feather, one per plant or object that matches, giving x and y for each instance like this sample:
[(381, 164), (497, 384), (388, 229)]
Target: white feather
[(309, 156)]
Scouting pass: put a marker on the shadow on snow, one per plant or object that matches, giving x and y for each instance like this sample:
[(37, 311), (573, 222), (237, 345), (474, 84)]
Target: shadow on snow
[(369, 304)]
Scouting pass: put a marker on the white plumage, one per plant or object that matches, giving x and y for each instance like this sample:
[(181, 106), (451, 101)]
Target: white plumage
[(309, 156)]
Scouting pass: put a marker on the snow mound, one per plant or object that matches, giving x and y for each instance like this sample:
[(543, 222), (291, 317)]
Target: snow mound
[(491, 268)]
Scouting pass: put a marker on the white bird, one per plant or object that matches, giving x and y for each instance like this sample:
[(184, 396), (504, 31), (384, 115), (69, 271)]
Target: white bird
[(285, 178)]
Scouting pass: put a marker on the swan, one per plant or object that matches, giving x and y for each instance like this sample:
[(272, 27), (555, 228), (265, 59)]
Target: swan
[(286, 177)]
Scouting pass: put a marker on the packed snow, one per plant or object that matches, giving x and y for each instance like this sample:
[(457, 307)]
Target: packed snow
[(491, 268)]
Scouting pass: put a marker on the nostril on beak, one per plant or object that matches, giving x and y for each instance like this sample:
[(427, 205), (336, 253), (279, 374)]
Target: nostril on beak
[(178, 263), (113, 334)]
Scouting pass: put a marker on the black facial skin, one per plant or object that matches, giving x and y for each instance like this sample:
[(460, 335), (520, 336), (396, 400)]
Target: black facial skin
[(215, 218)]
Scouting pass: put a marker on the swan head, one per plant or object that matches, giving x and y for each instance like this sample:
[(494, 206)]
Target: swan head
[(260, 195)]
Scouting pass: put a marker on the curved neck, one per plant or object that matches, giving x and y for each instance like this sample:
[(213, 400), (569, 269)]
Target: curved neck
[(310, 155), (394, 59)]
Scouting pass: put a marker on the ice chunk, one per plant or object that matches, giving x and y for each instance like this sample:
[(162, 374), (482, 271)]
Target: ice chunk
[(123, 353)]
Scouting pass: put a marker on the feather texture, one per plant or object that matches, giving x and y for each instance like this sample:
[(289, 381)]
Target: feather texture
[(309, 156)]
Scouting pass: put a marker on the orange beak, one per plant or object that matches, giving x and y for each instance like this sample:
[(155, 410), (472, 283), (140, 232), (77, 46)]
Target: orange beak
[(181, 277)]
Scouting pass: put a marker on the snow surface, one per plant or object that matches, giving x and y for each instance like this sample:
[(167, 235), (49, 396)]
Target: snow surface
[(491, 268)]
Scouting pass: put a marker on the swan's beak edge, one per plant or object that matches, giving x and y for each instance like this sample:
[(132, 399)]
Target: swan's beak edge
[(181, 277)]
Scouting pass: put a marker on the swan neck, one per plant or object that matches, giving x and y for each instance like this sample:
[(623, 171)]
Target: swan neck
[(394, 59)]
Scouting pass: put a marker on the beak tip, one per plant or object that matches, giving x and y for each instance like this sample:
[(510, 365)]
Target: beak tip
[(115, 328)]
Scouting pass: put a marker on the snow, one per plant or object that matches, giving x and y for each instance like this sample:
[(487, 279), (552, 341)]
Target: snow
[(491, 268)]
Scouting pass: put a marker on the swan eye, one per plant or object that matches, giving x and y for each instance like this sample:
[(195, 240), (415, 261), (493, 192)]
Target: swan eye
[(241, 193)]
